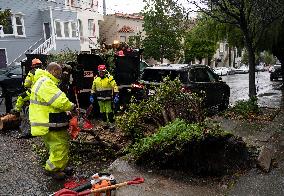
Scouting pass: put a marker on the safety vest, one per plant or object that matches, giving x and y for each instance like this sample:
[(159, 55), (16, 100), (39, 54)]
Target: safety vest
[(48, 105), (104, 87)]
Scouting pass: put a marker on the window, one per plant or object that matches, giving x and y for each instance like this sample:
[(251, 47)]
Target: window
[(90, 26), (122, 38), (58, 29), (80, 27), (201, 75), (70, 3), (74, 29), (66, 29), (19, 25), (15, 26), (8, 29)]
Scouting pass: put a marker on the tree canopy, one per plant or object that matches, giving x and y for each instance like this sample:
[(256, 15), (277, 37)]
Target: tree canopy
[(251, 17), (164, 27), (4, 14)]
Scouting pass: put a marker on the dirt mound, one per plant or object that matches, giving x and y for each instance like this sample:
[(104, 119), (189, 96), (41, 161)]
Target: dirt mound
[(208, 156)]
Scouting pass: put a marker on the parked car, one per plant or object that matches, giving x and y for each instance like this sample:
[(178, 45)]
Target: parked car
[(195, 78), (242, 70), (275, 73), (259, 68), (221, 71), (231, 71), (143, 65), (11, 80)]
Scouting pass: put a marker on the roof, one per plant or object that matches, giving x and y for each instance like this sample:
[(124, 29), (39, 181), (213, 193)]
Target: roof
[(126, 29), (131, 16)]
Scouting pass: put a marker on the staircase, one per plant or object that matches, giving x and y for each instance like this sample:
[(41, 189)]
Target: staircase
[(46, 46), (22, 56)]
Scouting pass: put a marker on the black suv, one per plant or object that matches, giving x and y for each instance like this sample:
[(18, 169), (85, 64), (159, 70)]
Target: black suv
[(195, 78), (275, 73), (11, 80)]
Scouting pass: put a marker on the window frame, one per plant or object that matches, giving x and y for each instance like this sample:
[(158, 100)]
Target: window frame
[(14, 26), (91, 27), (70, 30), (22, 25)]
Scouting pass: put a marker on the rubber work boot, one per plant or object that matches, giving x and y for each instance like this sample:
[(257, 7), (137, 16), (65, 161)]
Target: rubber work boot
[(68, 170), (25, 135), (59, 175)]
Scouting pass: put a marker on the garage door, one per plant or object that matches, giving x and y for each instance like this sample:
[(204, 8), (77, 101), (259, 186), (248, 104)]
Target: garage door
[(3, 59)]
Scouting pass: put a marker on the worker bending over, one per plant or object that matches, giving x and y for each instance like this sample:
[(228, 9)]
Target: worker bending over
[(48, 118)]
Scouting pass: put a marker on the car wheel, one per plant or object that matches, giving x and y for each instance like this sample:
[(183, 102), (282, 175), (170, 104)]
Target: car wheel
[(225, 103)]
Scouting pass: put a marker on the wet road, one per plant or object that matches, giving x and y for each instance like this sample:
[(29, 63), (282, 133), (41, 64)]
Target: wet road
[(268, 92)]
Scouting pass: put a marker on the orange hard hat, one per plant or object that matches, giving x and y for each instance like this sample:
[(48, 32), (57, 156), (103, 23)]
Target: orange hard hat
[(101, 67), (35, 62), (120, 53)]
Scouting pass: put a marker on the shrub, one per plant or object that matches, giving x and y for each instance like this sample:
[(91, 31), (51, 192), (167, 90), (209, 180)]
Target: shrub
[(167, 104), (246, 108), (200, 147)]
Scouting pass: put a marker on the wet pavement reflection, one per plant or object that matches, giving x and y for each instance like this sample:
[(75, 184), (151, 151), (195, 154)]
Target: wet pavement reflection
[(268, 92)]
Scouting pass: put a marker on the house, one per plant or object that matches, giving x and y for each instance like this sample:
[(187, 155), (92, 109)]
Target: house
[(88, 22), (46, 27), (120, 27)]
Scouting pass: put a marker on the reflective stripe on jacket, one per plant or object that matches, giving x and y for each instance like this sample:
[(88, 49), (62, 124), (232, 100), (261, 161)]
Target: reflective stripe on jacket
[(104, 87), (47, 99)]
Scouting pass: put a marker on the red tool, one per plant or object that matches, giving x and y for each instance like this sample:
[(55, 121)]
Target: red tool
[(76, 124), (67, 192)]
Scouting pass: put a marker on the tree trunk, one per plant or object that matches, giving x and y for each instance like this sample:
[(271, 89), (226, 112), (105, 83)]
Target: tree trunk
[(230, 57), (251, 56), (234, 61), (252, 87)]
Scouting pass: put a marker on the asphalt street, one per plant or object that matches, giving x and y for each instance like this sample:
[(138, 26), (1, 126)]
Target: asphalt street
[(268, 92)]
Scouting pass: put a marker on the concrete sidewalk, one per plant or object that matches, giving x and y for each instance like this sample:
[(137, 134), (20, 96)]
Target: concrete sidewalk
[(254, 182)]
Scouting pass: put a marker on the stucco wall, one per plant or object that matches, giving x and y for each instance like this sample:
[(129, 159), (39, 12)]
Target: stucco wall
[(112, 24)]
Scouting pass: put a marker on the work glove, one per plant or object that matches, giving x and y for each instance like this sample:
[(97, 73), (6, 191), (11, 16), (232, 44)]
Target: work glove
[(116, 99), (15, 112), (92, 98)]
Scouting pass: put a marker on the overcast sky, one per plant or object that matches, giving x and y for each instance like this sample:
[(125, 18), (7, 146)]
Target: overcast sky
[(127, 6), (122, 6)]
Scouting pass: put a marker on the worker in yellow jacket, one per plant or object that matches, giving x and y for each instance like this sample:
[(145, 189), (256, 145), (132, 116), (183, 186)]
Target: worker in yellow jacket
[(23, 98), (105, 89), (29, 81), (49, 119)]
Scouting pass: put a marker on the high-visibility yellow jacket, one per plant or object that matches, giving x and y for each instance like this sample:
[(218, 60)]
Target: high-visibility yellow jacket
[(29, 80), (48, 105), (104, 87), (25, 96)]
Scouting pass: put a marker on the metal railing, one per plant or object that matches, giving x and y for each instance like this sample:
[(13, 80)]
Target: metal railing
[(19, 57), (46, 46)]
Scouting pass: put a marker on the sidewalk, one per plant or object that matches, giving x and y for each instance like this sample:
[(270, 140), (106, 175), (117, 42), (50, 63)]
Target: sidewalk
[(254, 182), (21, 174)]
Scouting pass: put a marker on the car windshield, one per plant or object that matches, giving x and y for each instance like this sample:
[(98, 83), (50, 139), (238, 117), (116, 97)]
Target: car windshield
[(157, 75)]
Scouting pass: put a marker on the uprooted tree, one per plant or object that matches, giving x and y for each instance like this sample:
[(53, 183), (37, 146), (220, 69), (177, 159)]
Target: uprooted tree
[(169, 130)]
